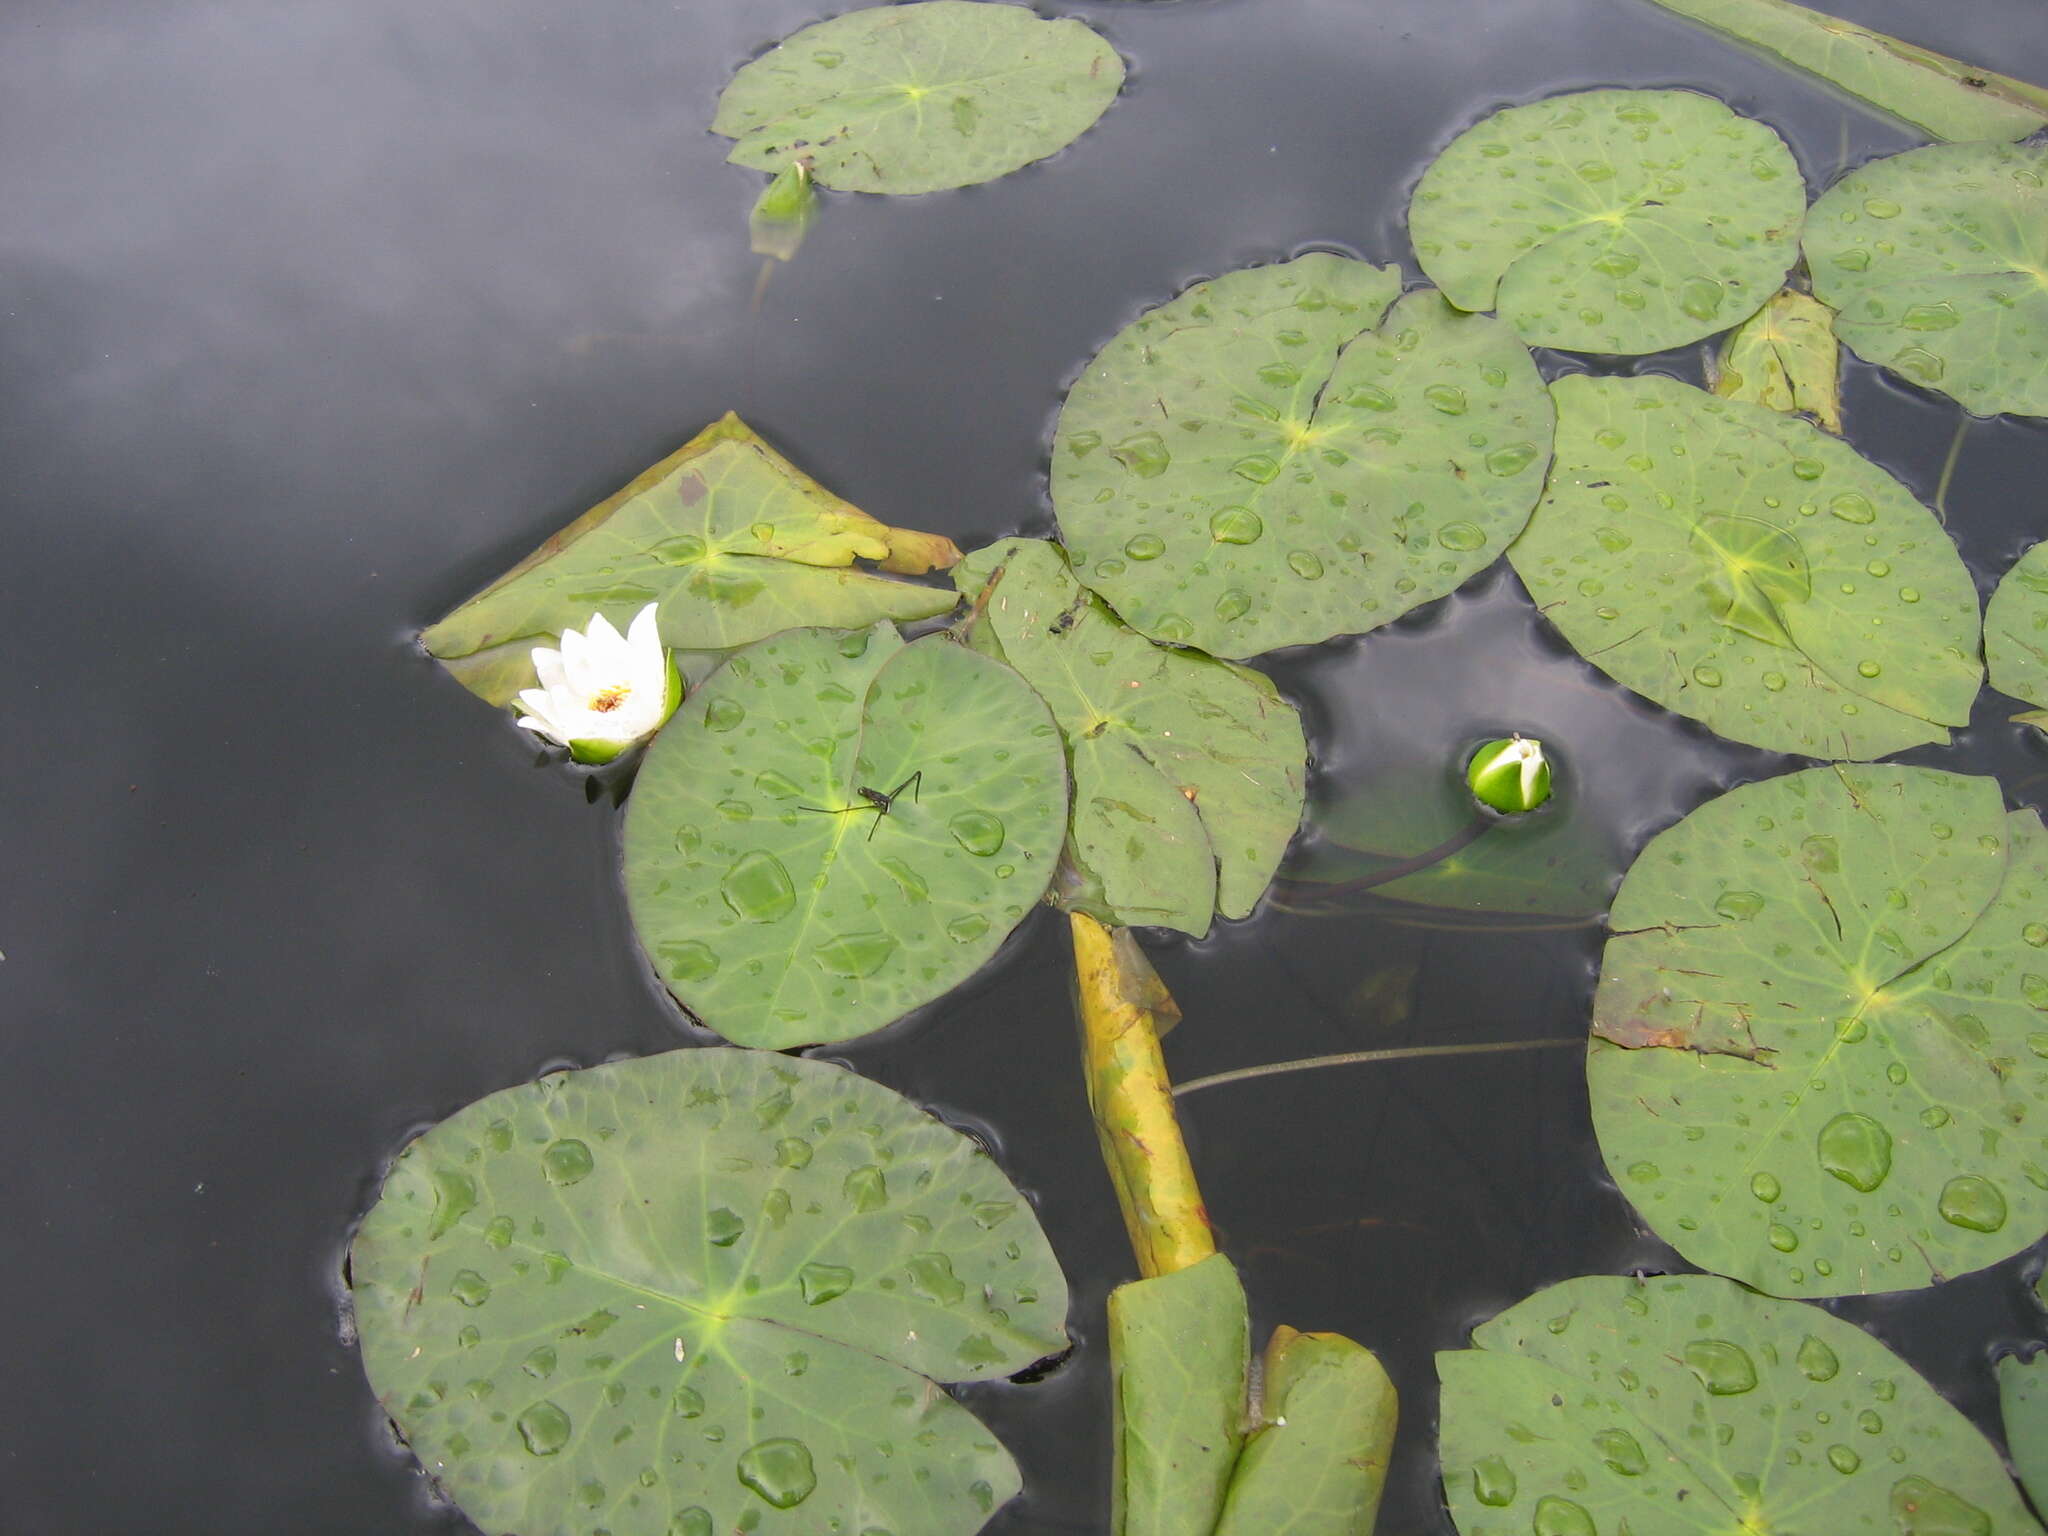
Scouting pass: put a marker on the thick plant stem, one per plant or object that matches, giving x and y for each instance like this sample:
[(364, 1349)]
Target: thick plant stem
[(1123, 1010)]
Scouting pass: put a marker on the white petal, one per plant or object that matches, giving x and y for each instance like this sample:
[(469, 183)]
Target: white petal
[(604, 640), (645, 634), (578, 666), (536, 724), (547, 666)]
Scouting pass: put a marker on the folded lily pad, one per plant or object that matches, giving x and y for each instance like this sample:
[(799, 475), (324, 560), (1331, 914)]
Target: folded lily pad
[(731, 539), (2023, 1404), (1785, 356), (1293, 452), (2016, 629), (1935, 260), (1685, 1405), (1821, 1027), (1747, 570), (1611, 221), (917, 98), (838, 828), (1946, 97), (706, 1291), (1317, 1462), (1187, 771)]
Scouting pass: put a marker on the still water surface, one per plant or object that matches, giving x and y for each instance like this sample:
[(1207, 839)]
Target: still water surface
[(318, 315)]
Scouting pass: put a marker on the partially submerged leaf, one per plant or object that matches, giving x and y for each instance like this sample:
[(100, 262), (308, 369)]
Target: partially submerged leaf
[(646, 1294), (1611, 221), (1747, 570), (1293, 452), (1785, 356), (782, 214), (1179, 1354), (729, 537), (1316, 1464), (916, 98), (838, 828), (1945, 97), (1819, 1031), (2023, 1404), (1685, 1405), (2016, 629), (1187, 771), (1937, 262)]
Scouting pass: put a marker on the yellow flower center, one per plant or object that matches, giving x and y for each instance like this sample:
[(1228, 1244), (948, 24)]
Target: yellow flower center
[(610, 699)]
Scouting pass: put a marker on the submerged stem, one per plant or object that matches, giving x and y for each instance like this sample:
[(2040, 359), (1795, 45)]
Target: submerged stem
[(1948, 470), (1353, 1058)]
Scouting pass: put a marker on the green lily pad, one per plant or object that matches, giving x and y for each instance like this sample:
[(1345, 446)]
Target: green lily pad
[(705, 1291), (1686, 1406), (778, 896), (2016, 629), (1179, 1365), (1821, 1029), (1747, 570), (2023, 1404), (1945, 97), (1785, 356), (1937, 261), (1611, 221), (1292, 452), (1187, 771), (731, 539), (918, 98), (1317, 1463)]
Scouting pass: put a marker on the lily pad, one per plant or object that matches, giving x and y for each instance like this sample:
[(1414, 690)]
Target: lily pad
[(1785, 356), (1293, 452), (1179, 1364), (1821, 1027), (2023, 1404), (1611, 221), (1747, 570), (729, 537), (918, 98), (1937, 261), (1317, 1462), (705, 1291), (2016, 629), (1946, 97), (1685, 1405), (1187, 772), (838, 828)]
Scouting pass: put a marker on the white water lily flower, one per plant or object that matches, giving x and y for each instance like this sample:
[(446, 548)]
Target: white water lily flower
[(603, 692)]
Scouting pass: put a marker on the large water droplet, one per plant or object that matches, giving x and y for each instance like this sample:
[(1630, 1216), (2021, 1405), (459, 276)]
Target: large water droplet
[(1740, 907), (1461, 536), (1973, 1202), (1816, 1361), (780, 1471), (688, 959), (470, 1288), (694, 1521), (1843, 1460), (821, 1283), (1493, 1482), (1236, 525), (1561, 1517), (1880, 208), (1724, 1369), (932, 1277), (867, 1188), (454, 1197), (978, 832), (1259, 468), (567, 1161), (1856, 1150), (724, 713), (1931, 317), (1622, 1452), (854, 955), (1447, 398), (1144, 454), (539, 1362), (723, 1226), (758, 888), (1701, 297), (1852, 507), (544, 1428), (1145, 546), (1923, 1509), (1512, 460), (1305, 565)]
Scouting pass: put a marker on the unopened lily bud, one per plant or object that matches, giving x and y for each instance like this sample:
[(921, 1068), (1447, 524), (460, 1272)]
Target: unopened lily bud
[(1511, 775)]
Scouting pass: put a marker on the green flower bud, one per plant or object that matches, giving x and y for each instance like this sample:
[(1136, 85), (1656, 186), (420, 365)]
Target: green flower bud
[(1511, 775)]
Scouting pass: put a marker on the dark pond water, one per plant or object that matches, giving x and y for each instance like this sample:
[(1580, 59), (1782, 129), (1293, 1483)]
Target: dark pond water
[(315, 316)]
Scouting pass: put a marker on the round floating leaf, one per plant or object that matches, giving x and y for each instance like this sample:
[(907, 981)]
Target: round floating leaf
[(2016, 629), (1611, 221), (1751, 572), (700, 1292), (1686, 1406), (1820, 1030), (1937, 260), (1277, 456), (1187, 771), (839, 827), (916, 98)]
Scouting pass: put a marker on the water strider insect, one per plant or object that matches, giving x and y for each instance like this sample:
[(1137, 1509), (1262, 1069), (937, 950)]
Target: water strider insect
[(875, 799)]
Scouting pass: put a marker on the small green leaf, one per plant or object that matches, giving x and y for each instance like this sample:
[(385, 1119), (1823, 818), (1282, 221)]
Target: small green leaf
[(1785, 356), (1179, 1365), (1611, 221), (729, 537), (620, 1296), (2016, 629), (1937, 263), (917, 98), (1293, 452), (777, 896), (1821, 1025), (1945, 97), (1187, 771), (1318, 1461), (1685, 1406), (1747, 570), (2023, 1404)]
